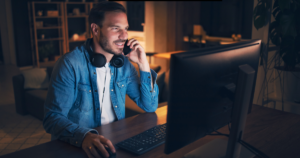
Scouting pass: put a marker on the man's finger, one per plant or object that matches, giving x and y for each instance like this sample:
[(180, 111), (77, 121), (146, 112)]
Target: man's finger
[(88, 152), (94, 151), (109, 144), (134, 43), (136, 47), (129, 41), (101, 149)]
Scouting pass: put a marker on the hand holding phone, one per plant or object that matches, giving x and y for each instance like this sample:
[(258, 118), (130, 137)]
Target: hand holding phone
[(126, 49)]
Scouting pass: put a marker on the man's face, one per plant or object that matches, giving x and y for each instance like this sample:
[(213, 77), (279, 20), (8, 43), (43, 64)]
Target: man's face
[(113, 33)]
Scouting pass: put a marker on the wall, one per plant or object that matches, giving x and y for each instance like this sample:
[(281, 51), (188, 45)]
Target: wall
[(22, 32), (149, 26), (7, 33), (155, 26)]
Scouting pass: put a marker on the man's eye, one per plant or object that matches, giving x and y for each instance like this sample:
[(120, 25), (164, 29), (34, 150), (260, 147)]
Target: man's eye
[(115, 28)]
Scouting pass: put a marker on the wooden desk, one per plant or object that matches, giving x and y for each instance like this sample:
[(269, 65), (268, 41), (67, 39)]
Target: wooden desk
[(164, 59), (274, 132), (223, 40), (167, 55)]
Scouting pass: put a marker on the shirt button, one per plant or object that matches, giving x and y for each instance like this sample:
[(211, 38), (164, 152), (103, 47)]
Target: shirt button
[(112, 90), (94, 72), (95, 90), (112, 73), (116, 106), (122, 85), (90, 90), (149, 77), (97, 108), (76, 142)]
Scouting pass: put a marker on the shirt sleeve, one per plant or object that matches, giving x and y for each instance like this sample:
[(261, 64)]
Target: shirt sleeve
[(140, 89), (59, 101)]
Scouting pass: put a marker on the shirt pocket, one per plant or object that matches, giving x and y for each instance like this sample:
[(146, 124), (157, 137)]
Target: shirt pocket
[(84, 98), (122, 85)]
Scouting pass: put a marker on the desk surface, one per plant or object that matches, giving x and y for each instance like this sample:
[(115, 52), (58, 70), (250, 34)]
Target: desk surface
[(167, 55), (274, 132), (223, 41)]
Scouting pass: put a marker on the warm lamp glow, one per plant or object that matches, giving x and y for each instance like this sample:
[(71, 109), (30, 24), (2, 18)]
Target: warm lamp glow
[(75, 36)]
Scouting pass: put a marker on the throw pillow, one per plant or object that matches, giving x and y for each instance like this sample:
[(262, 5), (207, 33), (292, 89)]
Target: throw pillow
[(35, 78)]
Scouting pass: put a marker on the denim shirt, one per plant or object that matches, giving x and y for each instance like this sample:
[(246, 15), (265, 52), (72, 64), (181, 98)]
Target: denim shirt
[(72, 106)]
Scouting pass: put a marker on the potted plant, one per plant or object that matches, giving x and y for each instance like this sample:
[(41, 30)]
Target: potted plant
[(284, 32), (45, 51)]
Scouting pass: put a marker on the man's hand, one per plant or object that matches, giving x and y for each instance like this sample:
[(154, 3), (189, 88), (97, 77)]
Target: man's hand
[(138, 55), (93, 141)]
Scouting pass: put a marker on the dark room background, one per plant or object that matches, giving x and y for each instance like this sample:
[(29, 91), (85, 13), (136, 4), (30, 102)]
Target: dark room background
[(217, 18)]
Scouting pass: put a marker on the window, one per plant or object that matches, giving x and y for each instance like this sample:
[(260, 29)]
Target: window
[(136, 15)]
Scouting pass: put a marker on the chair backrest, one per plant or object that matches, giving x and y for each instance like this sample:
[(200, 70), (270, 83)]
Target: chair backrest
[(163, 94)]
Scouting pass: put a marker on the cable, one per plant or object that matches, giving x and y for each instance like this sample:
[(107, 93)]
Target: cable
[(253, 150), (265, 81), (282, 89), (266, 67), (220, 135), (246, 145)]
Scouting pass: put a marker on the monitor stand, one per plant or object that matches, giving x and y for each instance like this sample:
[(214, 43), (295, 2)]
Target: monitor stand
[(216, 149), (232, 148)]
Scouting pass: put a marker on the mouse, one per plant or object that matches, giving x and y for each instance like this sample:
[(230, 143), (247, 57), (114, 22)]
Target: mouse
[(111, 154)]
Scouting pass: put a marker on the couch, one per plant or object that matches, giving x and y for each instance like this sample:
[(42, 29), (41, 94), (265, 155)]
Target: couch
[(31, 100)]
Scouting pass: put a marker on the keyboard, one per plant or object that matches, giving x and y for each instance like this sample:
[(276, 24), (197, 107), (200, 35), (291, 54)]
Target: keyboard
[(145, 141)]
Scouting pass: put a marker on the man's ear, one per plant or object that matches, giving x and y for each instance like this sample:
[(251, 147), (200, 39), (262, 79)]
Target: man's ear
[(95, 29)]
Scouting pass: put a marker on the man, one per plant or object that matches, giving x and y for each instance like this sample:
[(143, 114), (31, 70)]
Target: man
[(82, 96)]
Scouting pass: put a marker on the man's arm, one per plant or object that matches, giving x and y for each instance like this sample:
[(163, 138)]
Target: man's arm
[(143, 91), (60, 99), (146, 68)]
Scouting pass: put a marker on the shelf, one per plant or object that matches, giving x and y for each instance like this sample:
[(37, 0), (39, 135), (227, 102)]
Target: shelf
[(77, 16), (50, 39), (53, 27), (47, 64), (40, 17), (47, 2), (77, 41), (78, 2)]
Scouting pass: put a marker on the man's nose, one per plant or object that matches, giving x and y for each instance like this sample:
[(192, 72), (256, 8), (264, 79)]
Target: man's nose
[(123, 35)]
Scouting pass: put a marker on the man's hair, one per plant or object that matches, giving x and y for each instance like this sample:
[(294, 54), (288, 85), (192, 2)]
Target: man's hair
[(97, 12)]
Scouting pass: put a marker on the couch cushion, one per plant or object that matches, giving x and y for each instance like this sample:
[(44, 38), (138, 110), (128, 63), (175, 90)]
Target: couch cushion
[(35, 100), (36, 78)]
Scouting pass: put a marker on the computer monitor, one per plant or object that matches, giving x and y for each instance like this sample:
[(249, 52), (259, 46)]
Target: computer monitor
[(200, 101)]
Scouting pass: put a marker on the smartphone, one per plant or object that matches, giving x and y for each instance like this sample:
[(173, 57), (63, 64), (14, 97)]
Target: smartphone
[(126, 49)]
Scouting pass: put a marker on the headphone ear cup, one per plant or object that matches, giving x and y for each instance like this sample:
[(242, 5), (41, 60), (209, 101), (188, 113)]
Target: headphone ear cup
[(98, 60), (117, 61)]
